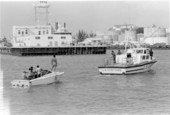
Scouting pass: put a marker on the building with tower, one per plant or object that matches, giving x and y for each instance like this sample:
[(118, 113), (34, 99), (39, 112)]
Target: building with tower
[(43, 34)]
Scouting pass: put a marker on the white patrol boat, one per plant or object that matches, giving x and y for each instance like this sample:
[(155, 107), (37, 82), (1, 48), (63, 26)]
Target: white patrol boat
[(48, 78), (134, 60)]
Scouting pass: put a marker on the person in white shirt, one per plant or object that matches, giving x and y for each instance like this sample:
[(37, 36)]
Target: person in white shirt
[(38, 70)]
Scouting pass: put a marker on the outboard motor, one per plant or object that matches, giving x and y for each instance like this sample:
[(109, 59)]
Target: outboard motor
[(25, 75)]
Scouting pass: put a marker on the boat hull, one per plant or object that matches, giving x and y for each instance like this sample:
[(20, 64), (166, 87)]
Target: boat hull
[(118, 69), (46, 79)]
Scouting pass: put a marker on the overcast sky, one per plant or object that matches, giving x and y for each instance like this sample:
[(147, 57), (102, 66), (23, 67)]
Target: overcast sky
[(96, 16)]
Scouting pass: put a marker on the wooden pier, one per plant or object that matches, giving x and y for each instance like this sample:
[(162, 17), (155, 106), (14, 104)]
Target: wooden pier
[(41, 51)]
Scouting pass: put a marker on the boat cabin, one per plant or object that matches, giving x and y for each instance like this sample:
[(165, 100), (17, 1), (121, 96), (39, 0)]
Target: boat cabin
[(134, 56)]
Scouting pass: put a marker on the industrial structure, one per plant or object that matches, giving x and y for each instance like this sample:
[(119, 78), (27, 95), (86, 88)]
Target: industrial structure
[(41, 13), (119, 34), (154, 35)]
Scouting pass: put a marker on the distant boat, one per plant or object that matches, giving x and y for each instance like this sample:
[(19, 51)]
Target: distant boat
[(134, 60), (45, 79)]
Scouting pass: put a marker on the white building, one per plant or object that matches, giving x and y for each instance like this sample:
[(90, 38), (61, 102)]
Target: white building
[(92, 41), (43, 34), (40, 36)]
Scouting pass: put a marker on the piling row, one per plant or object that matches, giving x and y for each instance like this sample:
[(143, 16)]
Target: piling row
[(37, 51)]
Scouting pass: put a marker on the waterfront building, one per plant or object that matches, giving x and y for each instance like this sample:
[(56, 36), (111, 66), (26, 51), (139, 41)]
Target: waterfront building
[(1, 44), (92, 41), (104, 38), (42, 34)]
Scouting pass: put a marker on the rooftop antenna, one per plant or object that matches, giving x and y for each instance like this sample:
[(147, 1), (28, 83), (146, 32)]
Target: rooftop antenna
[(41, 13)]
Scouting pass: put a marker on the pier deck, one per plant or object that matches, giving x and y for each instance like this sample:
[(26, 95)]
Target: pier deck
[(64, 50)]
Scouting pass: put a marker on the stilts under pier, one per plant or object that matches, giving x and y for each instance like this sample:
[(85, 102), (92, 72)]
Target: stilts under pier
[(41, 51)]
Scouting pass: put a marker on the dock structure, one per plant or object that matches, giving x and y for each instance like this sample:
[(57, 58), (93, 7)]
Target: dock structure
[(42, 51)]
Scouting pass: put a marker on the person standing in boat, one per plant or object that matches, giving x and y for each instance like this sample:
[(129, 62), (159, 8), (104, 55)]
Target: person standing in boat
[(151, 53), (114, 56), (54, 63), (119, 52), (38, 70)]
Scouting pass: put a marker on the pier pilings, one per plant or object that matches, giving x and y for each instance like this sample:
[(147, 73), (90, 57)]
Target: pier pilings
[(41, 51)]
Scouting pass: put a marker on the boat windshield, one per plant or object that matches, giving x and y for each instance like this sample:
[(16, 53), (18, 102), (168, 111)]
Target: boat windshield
[(139, 51)]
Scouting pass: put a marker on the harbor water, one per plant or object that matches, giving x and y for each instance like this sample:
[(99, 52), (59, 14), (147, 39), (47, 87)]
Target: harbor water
[(83, 91)]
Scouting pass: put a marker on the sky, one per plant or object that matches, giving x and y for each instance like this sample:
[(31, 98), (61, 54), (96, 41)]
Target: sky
[(91, 16)]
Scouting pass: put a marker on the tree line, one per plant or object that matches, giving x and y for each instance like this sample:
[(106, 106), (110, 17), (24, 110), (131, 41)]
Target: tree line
[(5, 42), (82, 35)]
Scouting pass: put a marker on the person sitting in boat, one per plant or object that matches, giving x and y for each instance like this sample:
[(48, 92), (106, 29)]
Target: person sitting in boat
[(151, 53), (54, 63), (31, 73), (38, 71), (119, 52), (114, 56)]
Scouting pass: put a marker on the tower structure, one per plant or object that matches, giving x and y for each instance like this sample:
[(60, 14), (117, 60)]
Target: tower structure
[(41, 13)]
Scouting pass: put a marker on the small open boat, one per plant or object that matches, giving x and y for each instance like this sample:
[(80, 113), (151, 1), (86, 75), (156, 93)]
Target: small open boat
[(133, 60), (45, 79)]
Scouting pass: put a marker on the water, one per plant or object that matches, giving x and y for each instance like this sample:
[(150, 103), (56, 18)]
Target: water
[(82, 91)]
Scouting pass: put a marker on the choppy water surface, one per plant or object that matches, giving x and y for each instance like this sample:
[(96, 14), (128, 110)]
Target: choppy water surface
[(82, 91)]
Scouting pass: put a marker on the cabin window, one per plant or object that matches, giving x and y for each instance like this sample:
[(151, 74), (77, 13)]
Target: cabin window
[(37, 37), (143, 57), (22, 32), (147, 51), (147, 57), (128, 55), (26, 31), (139, 51), (19, 32), (39, 32), (50, 43), (144, 51), (63, 37), (47, 32), (50, 37)]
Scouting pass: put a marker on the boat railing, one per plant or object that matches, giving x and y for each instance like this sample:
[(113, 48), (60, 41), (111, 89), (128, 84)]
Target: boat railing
[(108, 61), (128, 61)]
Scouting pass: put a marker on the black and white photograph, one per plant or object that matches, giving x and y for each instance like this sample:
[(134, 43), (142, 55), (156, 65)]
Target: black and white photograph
[(85, 57)]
